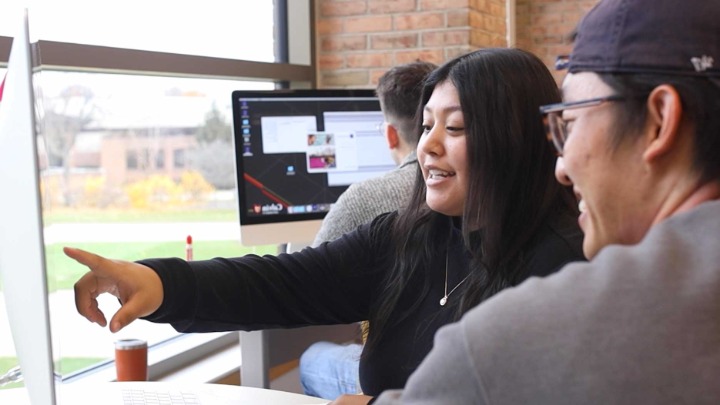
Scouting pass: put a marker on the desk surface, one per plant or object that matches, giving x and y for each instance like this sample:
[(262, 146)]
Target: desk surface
[(112, 393)]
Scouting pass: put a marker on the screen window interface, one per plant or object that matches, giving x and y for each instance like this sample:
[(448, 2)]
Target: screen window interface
[(300, 154)]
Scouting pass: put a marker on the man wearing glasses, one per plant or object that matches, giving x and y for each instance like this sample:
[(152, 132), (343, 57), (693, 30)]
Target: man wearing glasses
[(638, 139)]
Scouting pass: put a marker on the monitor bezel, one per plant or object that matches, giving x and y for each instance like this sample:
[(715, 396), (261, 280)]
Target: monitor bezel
[(237, 95), (22, 252)]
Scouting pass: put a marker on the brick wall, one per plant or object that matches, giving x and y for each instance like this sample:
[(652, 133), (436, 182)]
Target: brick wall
[(544, 26), (358, 40), (488, 23)]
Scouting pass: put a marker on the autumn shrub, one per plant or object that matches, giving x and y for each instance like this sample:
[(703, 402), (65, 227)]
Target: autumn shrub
[(160, 191)]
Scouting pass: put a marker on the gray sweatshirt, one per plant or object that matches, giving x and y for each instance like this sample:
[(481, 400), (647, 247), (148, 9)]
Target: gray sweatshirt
[(364, 201), (636, 325)]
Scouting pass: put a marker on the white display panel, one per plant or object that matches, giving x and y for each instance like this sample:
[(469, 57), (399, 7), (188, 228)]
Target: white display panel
[(22, 255)]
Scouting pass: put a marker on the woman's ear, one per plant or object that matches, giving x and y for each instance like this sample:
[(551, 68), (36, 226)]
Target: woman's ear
[(664, 118)]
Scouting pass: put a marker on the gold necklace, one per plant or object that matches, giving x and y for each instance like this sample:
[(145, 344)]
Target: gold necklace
[(444, 299)]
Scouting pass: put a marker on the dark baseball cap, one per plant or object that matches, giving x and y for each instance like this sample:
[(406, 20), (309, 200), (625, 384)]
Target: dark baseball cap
[(675, 37)]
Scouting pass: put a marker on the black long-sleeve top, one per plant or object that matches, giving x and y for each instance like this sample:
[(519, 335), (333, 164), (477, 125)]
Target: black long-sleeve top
[(335, 283)]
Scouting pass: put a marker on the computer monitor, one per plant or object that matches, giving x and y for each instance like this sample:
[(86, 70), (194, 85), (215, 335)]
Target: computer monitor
[(296, 152), (22, 255)]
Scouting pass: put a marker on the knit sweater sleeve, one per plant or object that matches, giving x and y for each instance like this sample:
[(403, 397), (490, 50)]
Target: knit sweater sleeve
[(364, 201), (334, 283), (346, 215)]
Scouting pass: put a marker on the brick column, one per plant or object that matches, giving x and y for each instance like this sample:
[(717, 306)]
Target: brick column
[(358, 40), (544, 26), (488, 23)]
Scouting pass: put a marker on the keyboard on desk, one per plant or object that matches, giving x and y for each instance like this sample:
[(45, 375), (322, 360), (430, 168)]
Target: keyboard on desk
[(138, 396)]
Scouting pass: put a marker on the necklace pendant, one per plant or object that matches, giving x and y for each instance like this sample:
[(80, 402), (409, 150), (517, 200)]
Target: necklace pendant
[(443, 301)]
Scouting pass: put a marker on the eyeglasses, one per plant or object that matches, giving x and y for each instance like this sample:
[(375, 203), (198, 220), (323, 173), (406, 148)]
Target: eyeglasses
[(556, 126)]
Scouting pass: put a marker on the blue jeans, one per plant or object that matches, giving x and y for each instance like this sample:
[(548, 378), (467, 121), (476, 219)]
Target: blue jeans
[(328, 370)]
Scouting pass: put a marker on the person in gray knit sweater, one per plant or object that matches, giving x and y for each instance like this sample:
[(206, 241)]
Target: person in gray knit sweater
[(328, 370), (639, 141), (399, 93)]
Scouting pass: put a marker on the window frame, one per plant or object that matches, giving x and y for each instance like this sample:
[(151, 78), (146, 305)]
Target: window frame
[(174, 355)]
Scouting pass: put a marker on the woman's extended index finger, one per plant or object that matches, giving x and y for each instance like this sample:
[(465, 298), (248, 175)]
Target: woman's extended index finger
[(83, 257)]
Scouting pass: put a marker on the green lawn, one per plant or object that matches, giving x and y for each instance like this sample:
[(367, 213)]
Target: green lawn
[(64, 272), (6, 363), (68, 365)]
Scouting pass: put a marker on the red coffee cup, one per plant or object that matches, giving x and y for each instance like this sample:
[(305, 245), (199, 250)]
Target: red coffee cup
[(131, 360)]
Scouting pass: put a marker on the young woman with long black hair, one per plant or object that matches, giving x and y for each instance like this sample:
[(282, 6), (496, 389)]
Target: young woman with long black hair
[(486, 214)]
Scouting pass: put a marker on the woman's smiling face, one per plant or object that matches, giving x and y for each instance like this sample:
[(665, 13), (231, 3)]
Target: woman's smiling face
[(442, 151)]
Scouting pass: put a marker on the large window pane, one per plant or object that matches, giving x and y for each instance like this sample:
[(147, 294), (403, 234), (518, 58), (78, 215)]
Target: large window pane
[(130, 165), (8, 358), (219, 28)]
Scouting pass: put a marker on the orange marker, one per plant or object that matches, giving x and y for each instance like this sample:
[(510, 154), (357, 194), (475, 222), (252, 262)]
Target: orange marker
[(188, 248)]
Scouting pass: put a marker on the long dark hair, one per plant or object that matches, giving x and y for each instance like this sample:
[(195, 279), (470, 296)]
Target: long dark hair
[(512, 190)]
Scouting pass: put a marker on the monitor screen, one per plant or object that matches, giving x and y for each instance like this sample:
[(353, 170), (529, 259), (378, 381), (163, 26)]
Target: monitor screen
[(296, 152)]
